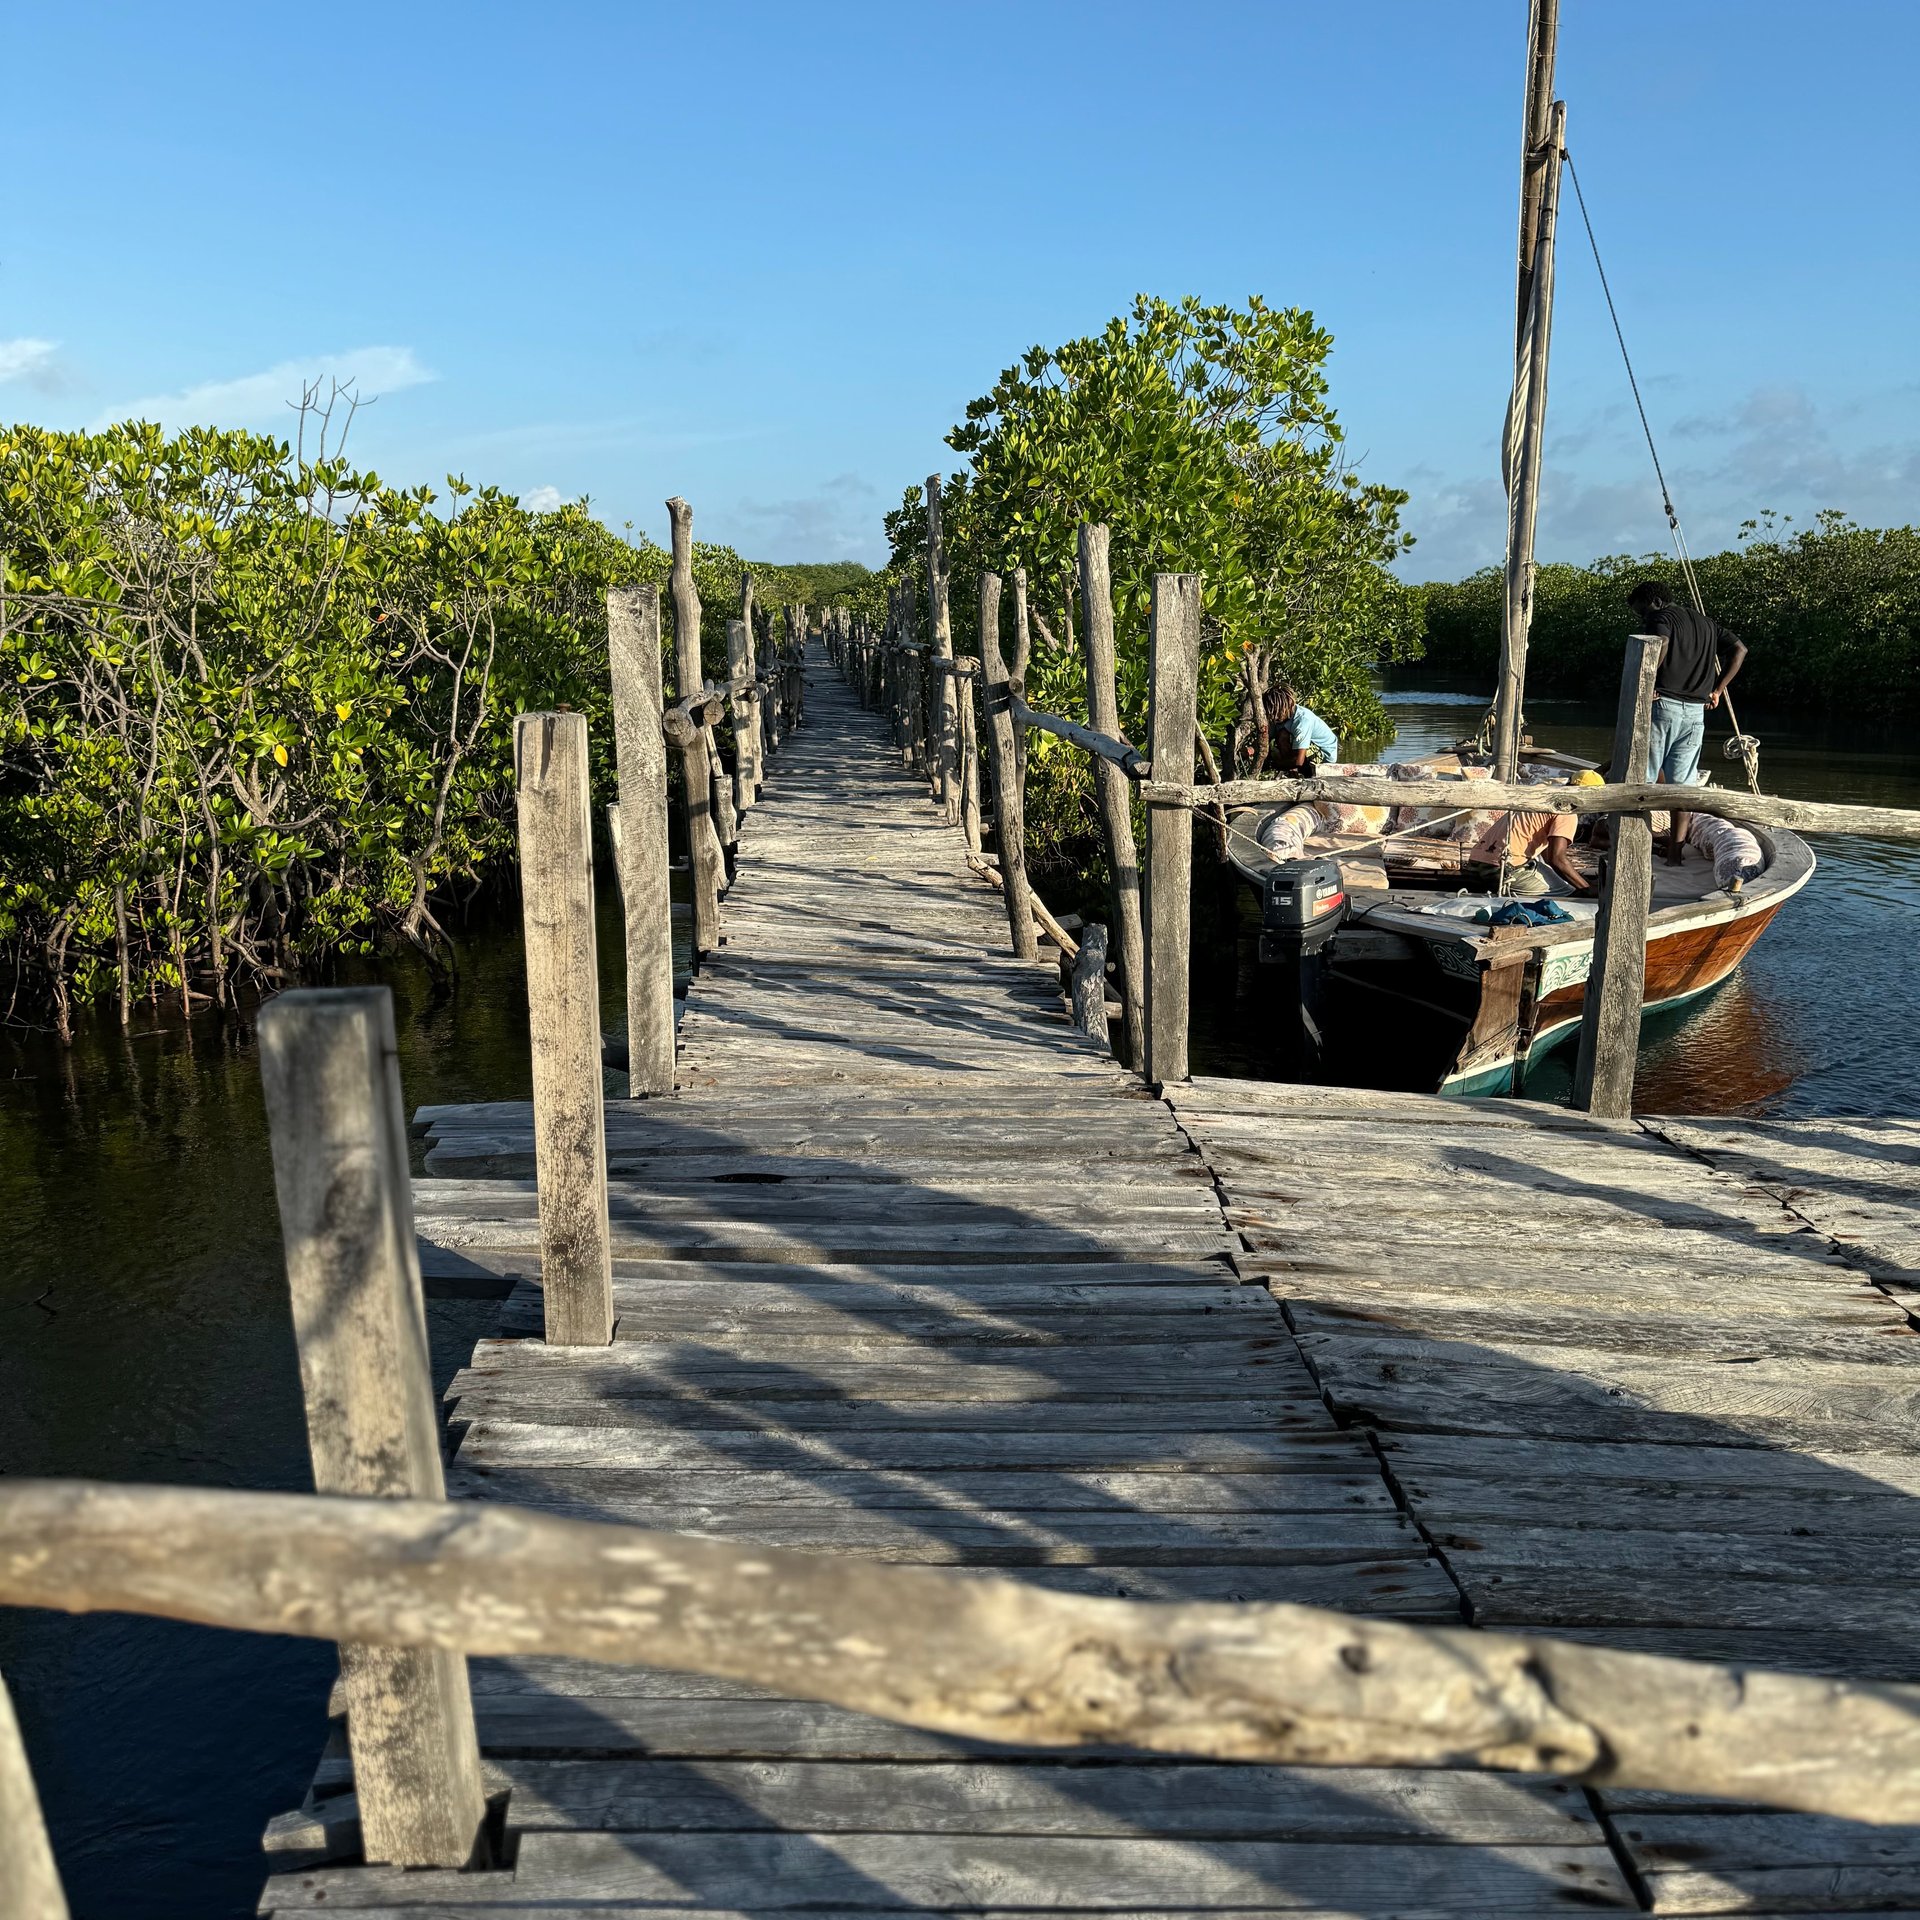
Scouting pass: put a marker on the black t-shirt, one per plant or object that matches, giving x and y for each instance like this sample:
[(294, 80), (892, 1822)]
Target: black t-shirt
[(1687, 669)]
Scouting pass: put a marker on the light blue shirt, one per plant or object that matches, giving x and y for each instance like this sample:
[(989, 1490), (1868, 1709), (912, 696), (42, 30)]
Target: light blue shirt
[(1307, 730)]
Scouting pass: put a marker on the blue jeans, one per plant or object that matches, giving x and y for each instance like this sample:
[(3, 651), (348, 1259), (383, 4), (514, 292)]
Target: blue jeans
[(1679, 731)]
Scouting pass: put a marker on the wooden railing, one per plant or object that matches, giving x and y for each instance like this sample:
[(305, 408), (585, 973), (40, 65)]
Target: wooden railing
[(890, 671)]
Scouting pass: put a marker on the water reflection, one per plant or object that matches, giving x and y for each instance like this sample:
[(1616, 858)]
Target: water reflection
[(1813, 1022)]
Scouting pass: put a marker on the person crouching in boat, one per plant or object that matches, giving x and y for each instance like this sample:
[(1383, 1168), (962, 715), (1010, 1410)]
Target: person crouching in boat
[(1535, 852), (1687, 686), (1301, 741)]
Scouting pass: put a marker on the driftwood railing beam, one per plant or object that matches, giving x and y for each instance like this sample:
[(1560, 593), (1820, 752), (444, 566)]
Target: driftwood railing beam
[(1003, 767), (1173, 676), (708, 863), (945, 715), (640, 847), (563, 1010), (29, 1879), (978, 1657), (1118, 753), (1112, 790), (1724, 803), (1616, 982), (332, 1084)]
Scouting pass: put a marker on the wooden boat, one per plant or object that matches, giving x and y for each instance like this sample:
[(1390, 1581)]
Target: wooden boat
[(1470, 1006), (1408, 924)]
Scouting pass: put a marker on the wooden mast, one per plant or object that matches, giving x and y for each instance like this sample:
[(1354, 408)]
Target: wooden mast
[(1542, 135)]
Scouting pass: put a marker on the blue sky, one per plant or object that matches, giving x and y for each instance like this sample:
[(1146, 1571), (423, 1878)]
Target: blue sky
[(763, 255)]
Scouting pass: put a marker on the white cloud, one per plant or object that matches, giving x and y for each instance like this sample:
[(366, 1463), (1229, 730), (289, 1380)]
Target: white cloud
[(842, 521), (264, 399), (543, 499), (29, 360)]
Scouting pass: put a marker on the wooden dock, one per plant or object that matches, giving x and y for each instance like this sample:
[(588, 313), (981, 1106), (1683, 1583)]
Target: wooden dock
[(909, 1269)]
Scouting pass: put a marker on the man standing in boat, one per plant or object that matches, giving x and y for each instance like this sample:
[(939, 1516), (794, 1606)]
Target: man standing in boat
[(1301, 740), (1689, 683)]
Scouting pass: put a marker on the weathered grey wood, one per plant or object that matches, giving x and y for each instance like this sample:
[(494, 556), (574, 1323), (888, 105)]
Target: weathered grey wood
[(1090, 982), (965, 1655), (1173, 671), (840, 1796), (332, 1086), (946, 717), (1005, 767), (29, 1880), (640, 849), (563, 1006), (740, 704), (1017, 665), (703, 840), (1114, 792), (1610, 1017), (966, 693), (1526, 436), (1102, 746), (924, 1874)]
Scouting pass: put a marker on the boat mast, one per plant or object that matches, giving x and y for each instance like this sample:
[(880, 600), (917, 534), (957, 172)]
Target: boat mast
[(1543, 134)]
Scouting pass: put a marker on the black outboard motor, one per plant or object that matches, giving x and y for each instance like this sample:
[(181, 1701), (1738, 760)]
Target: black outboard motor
[(1304, 905)]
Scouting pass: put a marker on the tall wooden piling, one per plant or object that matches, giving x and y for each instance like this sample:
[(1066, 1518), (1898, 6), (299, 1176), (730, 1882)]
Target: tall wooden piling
[(696, 757), (740, 705), (756, 719), (1174, 669), (1017, 666), (1003, 766), (944, 720), (332, 1085), (640, 752), (563, 1008), (1616, 985), (1112, 789)]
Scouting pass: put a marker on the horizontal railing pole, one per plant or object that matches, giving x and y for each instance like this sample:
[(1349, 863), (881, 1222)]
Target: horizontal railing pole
[(1129, 759), (1375, 790), (976, 1657)]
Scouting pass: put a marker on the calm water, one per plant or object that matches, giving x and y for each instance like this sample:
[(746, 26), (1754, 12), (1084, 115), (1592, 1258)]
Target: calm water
[(144, 1335), (144, 1330), (1814, 1022)]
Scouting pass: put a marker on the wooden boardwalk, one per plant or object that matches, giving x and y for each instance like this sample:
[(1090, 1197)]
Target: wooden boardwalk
[(910, 1270)]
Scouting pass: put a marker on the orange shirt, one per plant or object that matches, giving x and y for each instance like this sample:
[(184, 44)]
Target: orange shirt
[(1523, 835)]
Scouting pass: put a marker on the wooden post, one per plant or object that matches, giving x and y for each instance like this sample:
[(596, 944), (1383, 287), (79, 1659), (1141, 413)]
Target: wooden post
[(1173, 667), (969, 765), (29, 1880), (1526, 435), (563, 1008), (1112, 790), (708, 863), (756, 720), (1616, 981), (1017, 667), (944, 721), (740, 705), (339, 1131), (640, 850), (1003, 765), (1090, 983)]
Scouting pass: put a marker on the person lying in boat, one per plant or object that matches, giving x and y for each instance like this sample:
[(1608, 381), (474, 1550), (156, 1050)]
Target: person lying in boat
[(1301, 740), (1688, 685)]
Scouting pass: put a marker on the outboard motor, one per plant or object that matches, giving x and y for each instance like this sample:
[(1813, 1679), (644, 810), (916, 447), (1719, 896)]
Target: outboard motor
[(1304, 905)]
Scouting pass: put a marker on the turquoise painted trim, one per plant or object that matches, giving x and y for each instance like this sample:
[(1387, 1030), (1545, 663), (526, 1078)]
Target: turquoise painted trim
[(1499, 1077)]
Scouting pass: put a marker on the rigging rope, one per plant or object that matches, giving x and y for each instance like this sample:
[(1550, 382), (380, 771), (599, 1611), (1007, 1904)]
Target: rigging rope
[(1743, 747)]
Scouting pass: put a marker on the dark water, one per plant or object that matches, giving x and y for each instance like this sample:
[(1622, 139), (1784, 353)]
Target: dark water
[(144, 1328), (145, 1335), (1814, 1022)]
